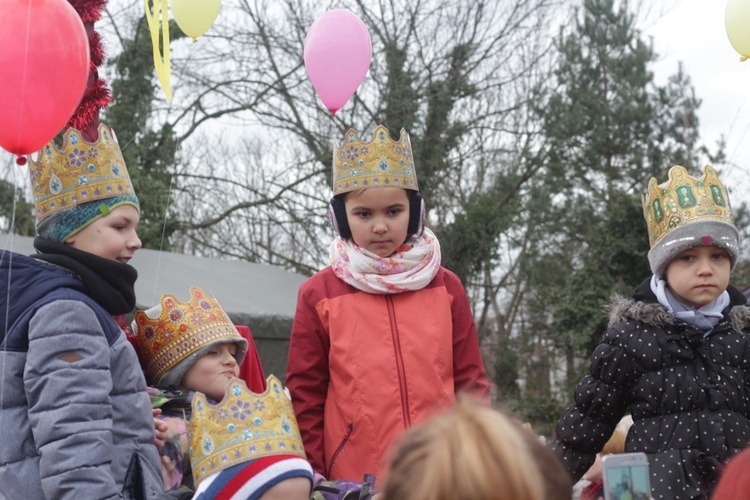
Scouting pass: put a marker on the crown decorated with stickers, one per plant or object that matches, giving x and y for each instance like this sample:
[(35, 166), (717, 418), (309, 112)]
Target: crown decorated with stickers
[(180, 330), (244, 426), (381, 162), (683, 200), (78, 172)]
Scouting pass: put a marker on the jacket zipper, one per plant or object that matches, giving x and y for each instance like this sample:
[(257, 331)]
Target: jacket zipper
[(349, 429), (399, 361)]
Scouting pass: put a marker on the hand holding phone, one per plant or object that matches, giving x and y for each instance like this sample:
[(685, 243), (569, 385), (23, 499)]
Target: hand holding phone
[(626, 477)]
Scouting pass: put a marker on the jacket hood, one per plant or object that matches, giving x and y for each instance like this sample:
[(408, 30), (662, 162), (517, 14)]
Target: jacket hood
[(643, 306), (26, 280)]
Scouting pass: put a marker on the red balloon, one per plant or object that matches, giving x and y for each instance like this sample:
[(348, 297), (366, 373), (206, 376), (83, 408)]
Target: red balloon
[(44, 56)]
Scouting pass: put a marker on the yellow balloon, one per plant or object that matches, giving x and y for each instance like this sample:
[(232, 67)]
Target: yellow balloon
[(195, 17), (737, 21)]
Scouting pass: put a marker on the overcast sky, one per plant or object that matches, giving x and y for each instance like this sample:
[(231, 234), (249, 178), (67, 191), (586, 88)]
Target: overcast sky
[(693, 31)]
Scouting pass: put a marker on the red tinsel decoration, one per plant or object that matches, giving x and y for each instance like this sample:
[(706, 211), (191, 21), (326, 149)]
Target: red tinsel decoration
[(89, 10), (96, 96), (97, 50), (86, 117)]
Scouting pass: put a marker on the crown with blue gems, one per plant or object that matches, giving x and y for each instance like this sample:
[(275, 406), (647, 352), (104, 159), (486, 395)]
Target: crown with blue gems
[(78, 172), (381, 162), (244, 426), (683, 200)]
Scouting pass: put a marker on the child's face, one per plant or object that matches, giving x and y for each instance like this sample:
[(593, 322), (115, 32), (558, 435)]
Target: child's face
[(378, 219), (213, 371), (699, 275), (111, 237)]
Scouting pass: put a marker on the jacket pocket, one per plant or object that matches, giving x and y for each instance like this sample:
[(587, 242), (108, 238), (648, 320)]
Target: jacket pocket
[(339, 449), (133, 487)]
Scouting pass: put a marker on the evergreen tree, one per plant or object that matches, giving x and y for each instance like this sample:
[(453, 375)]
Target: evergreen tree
[(149, 154), (609, 129), (15, 208)]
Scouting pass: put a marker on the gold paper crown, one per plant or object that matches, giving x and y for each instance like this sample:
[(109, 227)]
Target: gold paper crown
[(79, 172), (243, 427), (381, 162), (683, 200), (181, 329)]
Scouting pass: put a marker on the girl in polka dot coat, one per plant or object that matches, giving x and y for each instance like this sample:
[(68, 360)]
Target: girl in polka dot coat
[(676, 356), (689, 394)]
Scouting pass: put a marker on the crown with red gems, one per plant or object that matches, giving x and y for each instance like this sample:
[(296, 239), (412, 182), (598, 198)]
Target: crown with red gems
[(78, 172), (174, 330), (244, 426), (381, 162), (683, 200)]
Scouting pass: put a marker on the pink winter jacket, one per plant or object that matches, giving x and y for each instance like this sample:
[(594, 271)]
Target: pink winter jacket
[(363, 367)]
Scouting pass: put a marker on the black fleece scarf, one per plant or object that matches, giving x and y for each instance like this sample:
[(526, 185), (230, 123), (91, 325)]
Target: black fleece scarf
[(110, 283)]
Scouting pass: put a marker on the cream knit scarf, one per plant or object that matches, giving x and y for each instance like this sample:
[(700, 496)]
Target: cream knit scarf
[(403, 271)]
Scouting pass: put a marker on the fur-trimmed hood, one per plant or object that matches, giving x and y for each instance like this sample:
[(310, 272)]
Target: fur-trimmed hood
[(687, 393), (623, 308)]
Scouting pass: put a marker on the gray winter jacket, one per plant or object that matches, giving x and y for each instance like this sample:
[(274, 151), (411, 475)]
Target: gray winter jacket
[(75, 418)]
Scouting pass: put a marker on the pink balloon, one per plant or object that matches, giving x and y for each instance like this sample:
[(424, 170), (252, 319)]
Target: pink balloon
[(45, 65), (338, 51)]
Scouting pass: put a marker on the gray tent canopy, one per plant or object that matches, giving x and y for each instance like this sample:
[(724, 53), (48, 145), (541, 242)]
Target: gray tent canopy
[(260, 296)]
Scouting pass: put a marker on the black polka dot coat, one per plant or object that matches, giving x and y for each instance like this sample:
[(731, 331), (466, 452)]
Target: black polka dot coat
[(688, 393)]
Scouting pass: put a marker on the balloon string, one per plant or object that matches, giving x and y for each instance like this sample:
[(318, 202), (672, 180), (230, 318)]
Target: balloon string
[(3, 347), (9, 246), (161, 243), (164, 226), (24, 71), (161, 64)]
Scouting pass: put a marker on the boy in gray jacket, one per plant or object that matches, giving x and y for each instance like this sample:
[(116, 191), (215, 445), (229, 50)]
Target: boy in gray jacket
[(75, 417)]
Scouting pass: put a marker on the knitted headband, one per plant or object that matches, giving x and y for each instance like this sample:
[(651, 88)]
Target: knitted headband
[(252, 479)]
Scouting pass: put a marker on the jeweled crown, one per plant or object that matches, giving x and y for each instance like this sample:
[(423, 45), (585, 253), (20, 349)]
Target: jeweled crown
[(244, 426), (381, 162), (180, 330), (78, 172), (683, 200)]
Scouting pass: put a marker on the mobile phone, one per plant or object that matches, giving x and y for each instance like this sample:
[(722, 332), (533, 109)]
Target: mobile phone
[(626, 477)]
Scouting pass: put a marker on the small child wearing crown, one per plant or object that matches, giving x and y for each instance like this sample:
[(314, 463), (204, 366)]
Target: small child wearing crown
[(186, 348), (675, 354), (248, 446), (384, 336)]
